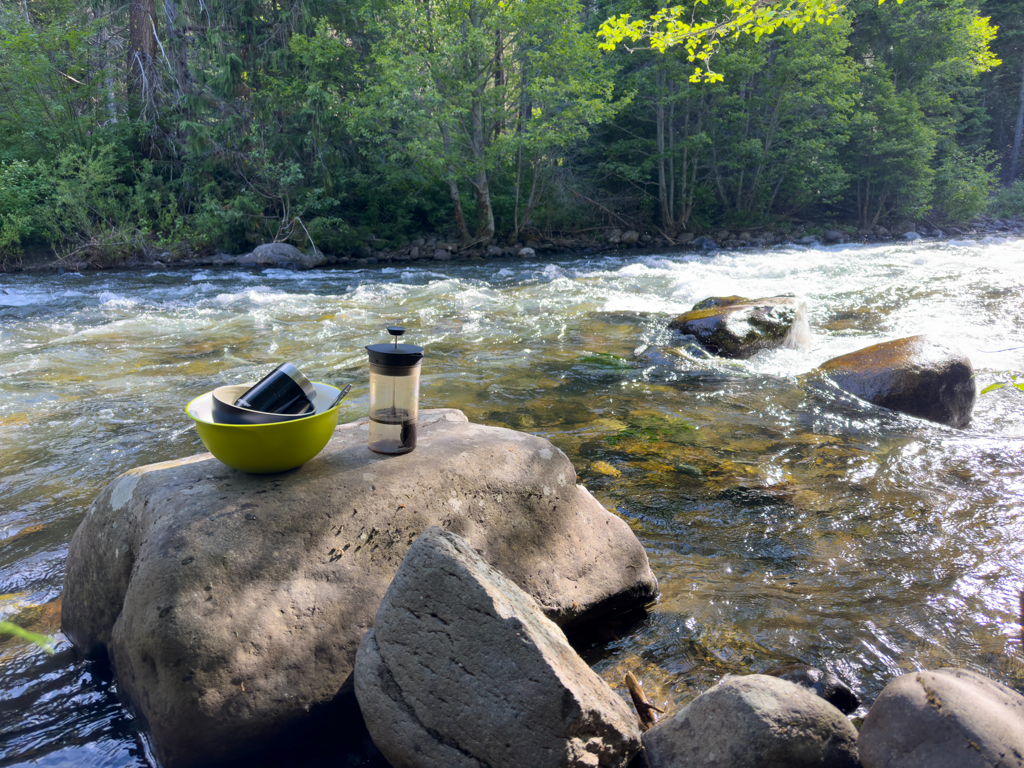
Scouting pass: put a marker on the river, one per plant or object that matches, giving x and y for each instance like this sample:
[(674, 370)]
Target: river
[(785, 522)]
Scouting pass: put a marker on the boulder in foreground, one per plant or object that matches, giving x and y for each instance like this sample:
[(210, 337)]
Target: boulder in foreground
[(733, 326), (917, 376), (230, 605), (755, 721), (944, 718), (462, 670)]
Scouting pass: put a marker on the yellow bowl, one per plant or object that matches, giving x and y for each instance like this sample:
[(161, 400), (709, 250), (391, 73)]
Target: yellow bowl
[(263, 448)]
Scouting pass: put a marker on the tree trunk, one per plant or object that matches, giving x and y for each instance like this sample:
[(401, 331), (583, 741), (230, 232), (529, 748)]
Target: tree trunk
[(142, 47), (1015, 154), (485, 213), (179, 49), (453, 187), (659, 118)]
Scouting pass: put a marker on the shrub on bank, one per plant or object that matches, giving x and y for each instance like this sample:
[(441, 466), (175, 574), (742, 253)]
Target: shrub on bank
[(963, 184), (1008, 201)]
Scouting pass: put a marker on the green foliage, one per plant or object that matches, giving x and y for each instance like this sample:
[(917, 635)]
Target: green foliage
[(93, 211), (471, 94), (702, 37), (1008, 201), (1014, 381), (23, 189), (890, 153), (43, 641), (325, 123), (963, 184)]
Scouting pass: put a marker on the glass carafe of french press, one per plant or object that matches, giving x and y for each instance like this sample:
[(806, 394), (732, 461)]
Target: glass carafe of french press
[(394, 394)]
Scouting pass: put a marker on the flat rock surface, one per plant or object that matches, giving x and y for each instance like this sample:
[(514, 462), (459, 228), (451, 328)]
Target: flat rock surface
[(231, 604), (463, 670), (755, 721), (944, 718), (733, 326), (918, 376)]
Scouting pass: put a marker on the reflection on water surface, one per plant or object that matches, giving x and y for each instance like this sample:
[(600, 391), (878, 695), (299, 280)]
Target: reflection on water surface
[(785, 521)]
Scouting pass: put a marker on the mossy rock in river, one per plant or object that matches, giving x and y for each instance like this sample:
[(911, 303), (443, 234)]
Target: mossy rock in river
[(736, 327), (655, 427)]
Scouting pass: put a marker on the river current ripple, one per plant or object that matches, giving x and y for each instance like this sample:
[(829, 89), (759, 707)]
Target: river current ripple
[(785, 522)]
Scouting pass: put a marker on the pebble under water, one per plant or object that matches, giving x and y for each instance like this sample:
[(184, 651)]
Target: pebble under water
[(786, 522)]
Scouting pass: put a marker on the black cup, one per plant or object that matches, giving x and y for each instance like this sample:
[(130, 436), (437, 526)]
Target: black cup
[(283, 390)]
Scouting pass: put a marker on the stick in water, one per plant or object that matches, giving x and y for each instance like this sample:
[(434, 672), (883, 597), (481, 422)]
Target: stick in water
[(646, 710)]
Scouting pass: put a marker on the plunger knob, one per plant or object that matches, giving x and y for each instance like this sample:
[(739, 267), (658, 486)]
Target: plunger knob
[(396, 331)]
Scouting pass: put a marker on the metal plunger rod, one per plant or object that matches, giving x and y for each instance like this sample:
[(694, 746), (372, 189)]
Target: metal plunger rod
[(396, 331)]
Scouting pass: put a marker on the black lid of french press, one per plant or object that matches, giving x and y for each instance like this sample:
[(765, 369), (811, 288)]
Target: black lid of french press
[(395, 355)]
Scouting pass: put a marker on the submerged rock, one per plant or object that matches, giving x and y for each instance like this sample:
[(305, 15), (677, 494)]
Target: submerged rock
[(944, 718), (823, 683), (754, 721), (736, 327), (230, 605), (916, 376), (462, 670)]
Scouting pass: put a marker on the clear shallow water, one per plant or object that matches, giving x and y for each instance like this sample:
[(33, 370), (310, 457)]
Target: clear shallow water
[(785, 522)]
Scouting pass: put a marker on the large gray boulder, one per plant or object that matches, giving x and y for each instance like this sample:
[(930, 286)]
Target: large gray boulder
[(736, 327), (754, 721), (231, 604), (944, 718), (917, 376), (463, 670), (282, 255)]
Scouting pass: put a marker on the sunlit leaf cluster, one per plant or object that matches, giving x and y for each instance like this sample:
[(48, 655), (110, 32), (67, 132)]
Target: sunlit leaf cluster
[(701, 29)]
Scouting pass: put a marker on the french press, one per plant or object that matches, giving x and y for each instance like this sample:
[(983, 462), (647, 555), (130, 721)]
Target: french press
[(394, 394)]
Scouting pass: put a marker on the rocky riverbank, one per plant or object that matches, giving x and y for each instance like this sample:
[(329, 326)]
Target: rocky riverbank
[(434, 248)]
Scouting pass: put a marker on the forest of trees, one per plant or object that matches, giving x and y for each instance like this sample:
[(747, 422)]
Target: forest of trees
[(188, 125)]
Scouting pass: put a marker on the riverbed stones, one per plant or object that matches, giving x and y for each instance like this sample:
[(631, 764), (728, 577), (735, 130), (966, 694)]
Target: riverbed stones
[(944, 718), (463, 670), (756, 721), (736, 327), (230, 605), (917, 376)]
